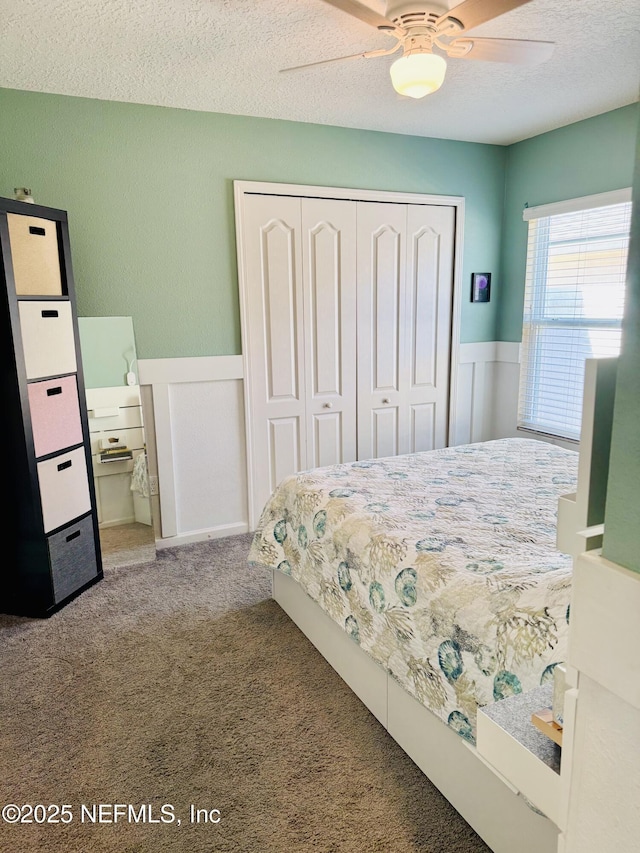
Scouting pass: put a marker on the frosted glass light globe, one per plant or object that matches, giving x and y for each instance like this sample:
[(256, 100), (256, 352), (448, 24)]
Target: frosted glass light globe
[(418, 74)]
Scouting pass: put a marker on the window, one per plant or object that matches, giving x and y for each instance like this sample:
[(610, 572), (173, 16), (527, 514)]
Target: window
[(573, 306)]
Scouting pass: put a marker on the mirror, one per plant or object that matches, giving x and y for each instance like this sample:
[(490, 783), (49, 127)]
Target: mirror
[(118, 443)]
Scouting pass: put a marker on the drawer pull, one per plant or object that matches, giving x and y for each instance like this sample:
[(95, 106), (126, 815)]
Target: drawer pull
[(40, 232), (51, 392), (49, 313), (73, 535), (64, 465)]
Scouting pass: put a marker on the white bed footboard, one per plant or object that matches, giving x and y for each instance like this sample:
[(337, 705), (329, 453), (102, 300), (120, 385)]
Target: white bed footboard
[(491, 807)]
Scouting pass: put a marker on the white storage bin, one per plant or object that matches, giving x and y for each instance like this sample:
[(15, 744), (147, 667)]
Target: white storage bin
[(48, 341), (64, 488)]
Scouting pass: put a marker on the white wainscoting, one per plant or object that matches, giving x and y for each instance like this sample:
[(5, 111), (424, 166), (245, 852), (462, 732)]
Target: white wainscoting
[(194, 419), (487, 391), (197, 420)]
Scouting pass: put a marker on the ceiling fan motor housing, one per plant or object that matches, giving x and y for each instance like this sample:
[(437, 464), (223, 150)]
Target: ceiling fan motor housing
[(418, 24), (410, 15)]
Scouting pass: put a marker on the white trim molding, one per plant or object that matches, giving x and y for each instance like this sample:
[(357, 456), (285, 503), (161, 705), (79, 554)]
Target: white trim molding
[(573, 205), (309, 191)]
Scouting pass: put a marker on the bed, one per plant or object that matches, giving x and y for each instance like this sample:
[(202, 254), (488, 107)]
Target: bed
[(433, 584)]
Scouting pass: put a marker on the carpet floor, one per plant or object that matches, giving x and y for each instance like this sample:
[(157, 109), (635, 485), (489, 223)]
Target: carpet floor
[(126, 545), (179, 683)]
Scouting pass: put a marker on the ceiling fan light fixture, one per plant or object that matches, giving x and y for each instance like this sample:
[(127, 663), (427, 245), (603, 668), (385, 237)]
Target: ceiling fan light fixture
[(418, 74)]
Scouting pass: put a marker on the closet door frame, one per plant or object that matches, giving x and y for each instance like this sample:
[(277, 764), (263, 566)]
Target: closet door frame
[(242, 189)]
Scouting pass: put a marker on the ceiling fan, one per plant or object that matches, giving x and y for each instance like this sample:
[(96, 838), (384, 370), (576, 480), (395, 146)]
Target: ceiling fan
[(420, 27)]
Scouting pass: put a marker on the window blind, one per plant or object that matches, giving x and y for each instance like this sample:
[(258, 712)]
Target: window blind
[(574, 303)]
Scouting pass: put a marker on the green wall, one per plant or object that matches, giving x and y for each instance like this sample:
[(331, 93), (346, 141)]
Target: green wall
[(149, 192), (622, 515), (591, 156)]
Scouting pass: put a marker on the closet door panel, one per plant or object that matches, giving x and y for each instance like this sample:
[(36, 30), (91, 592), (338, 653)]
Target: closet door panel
[(430, 246), (381, 310), (285, 452), (273, 341), (384, 432), (422, 294), (327, 440), (280, 298), (329, 281), (423, 427)]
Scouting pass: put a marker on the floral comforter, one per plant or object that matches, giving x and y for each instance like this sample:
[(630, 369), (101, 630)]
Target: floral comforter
[(442, 565)]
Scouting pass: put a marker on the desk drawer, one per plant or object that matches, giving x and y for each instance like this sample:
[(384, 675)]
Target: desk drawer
[(72, 553), (55, 414), (64, 488), (35, 256), (48, 341)]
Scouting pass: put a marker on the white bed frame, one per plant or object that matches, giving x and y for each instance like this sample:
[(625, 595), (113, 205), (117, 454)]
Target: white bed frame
[(485, 800)]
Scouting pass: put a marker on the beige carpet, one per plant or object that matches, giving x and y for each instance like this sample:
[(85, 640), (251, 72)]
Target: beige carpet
[(179, 682)]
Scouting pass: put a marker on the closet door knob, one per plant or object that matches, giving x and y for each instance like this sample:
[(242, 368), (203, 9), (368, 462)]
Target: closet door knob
[(327, 405)]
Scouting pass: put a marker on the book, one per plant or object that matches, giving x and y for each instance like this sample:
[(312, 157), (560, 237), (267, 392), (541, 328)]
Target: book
[(543, 720), (117, 454)]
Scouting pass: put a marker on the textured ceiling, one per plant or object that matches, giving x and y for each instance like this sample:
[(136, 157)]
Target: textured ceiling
[(226, 55)]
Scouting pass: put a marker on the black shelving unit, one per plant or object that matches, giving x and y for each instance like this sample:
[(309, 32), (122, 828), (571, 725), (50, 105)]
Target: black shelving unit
[(52, 532)]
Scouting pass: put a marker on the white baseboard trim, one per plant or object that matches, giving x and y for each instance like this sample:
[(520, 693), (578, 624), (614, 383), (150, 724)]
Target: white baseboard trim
[(203, 535)]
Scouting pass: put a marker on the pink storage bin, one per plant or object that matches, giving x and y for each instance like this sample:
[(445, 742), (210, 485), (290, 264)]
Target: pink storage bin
[(55, 414)]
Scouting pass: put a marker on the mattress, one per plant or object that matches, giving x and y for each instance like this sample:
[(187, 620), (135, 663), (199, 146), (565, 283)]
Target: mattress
[(441, 565)]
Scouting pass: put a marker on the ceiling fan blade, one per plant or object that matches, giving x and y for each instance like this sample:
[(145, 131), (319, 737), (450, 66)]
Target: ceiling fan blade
[(364, 13), (360, 55), (518, 51), (472, 13)]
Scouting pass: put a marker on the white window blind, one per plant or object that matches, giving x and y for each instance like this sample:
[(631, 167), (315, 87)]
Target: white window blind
[(574, 302)]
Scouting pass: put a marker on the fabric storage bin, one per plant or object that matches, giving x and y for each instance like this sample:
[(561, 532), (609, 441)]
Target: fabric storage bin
[(34, 255), (48, 341), (72, 553), (55, 414), (64, 488)]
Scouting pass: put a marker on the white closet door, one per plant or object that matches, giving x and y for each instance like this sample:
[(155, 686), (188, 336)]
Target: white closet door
[(405, 285), (273, 342), (429, 293), (329, 276), (382, 359)]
